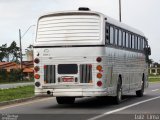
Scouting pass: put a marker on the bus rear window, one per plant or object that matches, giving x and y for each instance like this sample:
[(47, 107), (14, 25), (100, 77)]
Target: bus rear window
[(67, 69), (69, 29)]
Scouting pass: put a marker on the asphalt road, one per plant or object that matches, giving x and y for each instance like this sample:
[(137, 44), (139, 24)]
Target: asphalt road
[(14, 85), (132, 108)]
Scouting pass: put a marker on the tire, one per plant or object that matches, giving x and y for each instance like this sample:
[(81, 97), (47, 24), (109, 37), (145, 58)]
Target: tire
[(140, 92), (65, 100), (118, 98)]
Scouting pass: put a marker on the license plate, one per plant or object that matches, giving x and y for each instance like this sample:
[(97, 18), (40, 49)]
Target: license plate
[(68, 79)]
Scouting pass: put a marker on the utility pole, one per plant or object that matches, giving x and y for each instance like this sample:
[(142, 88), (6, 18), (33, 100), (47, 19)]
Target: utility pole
[(20, 41), (120, 17), (20, 38), (21, 67)]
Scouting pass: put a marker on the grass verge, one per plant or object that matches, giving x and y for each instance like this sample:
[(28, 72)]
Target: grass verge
[(12, 82), (154, 79), (16, 93)]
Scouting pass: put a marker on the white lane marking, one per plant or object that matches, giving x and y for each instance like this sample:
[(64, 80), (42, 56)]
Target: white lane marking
[(155, 90), (123, 108), (25, 103)]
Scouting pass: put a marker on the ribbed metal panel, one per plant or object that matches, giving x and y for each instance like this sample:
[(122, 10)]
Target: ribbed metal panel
[(49, 74), (69, 27), (85, 73)]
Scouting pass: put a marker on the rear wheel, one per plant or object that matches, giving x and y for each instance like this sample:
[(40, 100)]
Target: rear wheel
[(118, 98), (140, 92), (65, 100)]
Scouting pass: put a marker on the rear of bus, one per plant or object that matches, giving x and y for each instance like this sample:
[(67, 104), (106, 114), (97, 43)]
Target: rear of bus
[(68, 52)]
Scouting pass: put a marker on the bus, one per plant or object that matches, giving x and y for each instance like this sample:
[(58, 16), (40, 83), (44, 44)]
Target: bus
[(83, 53)]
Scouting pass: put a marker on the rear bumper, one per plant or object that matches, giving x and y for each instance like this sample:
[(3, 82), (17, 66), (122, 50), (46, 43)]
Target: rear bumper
[(72, 92)]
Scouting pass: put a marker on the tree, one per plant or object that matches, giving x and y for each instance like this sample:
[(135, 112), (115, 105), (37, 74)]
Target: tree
[(13, 51), (3, 52), (10, 53), (150, 61)]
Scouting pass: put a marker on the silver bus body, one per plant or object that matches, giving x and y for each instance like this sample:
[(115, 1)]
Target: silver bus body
[(68, 45)]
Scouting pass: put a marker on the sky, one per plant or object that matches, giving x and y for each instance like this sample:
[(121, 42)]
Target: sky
[(21, 14)]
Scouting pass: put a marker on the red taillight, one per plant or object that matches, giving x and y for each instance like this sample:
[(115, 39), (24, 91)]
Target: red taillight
[(99, 59), (36, 68), (36, 60), (99, 83), (36, 76)]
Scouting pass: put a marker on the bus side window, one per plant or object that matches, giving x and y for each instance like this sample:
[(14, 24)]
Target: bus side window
[(111, 35), (145, 43), (130, 41), (124, 39), (116, 36), (136, 42), (120, 38), (142, 43), (133, 41), (127, 40), (139, 44), (107, 34)]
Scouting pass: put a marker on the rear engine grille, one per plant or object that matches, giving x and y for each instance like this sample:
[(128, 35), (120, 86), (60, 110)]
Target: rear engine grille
[(85, 73), (49, 74)]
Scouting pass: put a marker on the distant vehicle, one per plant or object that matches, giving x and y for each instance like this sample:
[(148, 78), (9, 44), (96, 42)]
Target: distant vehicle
[(84, 53)]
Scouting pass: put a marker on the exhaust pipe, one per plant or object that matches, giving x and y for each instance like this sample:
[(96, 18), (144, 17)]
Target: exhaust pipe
[(48, 92)]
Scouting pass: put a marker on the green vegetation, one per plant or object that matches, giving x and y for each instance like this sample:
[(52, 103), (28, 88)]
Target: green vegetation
[(14, 82), (10, 53), (14, 76), (152, 75), (154, 79), (16, 93)]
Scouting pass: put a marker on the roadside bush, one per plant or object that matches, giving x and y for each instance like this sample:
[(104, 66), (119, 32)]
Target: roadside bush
[(31, 76), (3, 75), (15, 75)]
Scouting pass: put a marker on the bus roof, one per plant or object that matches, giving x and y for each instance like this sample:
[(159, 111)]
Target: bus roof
[(124, 26), (109, 20)]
